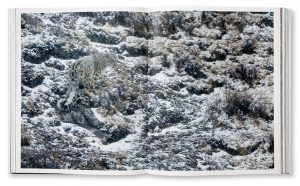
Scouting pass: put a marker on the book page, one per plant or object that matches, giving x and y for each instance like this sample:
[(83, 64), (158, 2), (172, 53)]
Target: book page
[(205, 49), (82, 91)]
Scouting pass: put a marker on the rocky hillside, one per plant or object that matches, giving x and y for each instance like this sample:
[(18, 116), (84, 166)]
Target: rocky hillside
[(191, 91)]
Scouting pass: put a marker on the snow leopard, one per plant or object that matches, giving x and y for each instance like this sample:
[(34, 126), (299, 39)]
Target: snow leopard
[(84, 73)]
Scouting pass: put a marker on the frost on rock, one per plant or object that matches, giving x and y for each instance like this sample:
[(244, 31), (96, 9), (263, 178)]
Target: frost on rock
[(189, 91)]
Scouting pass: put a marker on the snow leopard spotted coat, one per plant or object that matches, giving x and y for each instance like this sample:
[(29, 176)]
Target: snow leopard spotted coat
[(83, 76), (85, 72)]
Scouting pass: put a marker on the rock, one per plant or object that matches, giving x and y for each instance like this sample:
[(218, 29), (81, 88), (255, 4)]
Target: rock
[(42, 51), (235, 21), (32, 23), (267, 21), (142, 27), (57, 122), (166, 23), (37, 52), (181, 62), (55, 64), (164, 118), (25, 91), (204, 44), (215, 52), (128, 109), (199, 89), (31, 108), (135, 46), (69, 50), (235, 151), (155, 65), (205, 32), (176, 85), (100, 36), (118, 134), (122, 18), (31, 77), (142, 68), (232, 35)]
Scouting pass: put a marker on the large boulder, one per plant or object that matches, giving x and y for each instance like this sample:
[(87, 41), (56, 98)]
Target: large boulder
[(135, 46), (100, 36)]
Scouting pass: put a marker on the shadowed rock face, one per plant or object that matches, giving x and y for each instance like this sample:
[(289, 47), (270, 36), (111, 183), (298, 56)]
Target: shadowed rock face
[(162, 90), (31, 77), (102, 37)]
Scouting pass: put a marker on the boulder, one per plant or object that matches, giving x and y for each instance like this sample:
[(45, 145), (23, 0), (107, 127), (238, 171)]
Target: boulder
[(31, 77)]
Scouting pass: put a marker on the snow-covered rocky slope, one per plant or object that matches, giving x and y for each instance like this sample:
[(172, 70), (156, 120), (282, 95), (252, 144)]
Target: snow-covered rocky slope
[(191, 91)]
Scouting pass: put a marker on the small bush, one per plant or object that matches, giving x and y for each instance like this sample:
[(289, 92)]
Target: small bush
[(59, 32), (218, 54), (244, 73), (248, 47), (194, 70), (261, 111), (120, 157), (213, 113), (26, 138), (58, 158), (242, 103), (43, 158), (200, 89), (163, 118), (170, 22), (31, 108), (31, 77), (142, 28), (31, 22), (271, 142), (237, 103), (165, 61), (181, 61), (242, 151), (236, 20)]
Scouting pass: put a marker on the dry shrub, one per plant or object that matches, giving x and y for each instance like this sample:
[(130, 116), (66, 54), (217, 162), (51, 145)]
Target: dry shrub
[(244, 73), (31, 22), (213, 113), (237, 103), (120, 156), (26, 138), (243, 103)]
